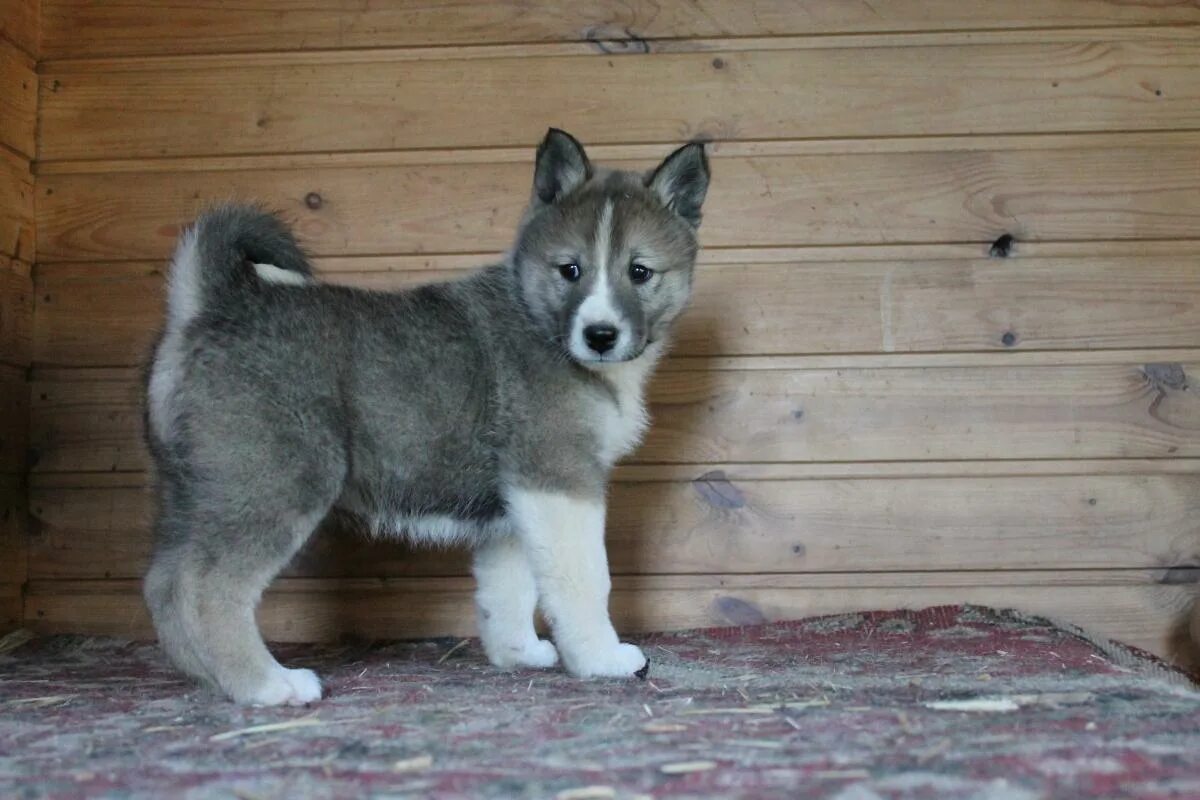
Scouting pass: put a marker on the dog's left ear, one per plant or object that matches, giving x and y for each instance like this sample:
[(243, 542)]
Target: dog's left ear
[(682, 181)]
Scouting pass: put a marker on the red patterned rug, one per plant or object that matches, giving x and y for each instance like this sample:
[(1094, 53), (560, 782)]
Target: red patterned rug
[(943, 703)]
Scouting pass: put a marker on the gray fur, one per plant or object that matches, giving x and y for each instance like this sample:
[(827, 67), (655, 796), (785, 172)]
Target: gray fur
[(272, 405)]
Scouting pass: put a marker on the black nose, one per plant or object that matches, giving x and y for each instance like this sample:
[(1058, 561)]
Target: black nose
[(600, 338)]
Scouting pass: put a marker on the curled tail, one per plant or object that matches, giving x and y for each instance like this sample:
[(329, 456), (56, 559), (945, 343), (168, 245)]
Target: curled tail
[(230, 247)]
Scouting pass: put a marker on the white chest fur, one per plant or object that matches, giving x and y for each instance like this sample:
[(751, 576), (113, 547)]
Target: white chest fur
[(620, 415)]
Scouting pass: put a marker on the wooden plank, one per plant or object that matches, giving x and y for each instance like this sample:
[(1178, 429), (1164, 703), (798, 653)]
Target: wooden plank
[(14, 419), (661, 97), (713, 524), (16, 312), (781, 471), (606, 153), (188, 62), (16, 207), (13, 529), (18, 100), (1137, 608), (1013, 358), (11, 607), (19, 24), (913, 414), (1129, 410), (79, 28), (1144, 191), (1009, 358), (107, 314)]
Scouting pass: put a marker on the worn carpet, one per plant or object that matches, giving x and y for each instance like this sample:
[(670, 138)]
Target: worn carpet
[(943, 703)]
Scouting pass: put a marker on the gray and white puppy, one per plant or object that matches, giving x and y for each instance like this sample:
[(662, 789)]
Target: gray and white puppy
[(487, 411)]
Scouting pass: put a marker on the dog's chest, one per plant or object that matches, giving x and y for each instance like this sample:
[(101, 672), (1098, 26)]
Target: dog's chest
[(620, 416)]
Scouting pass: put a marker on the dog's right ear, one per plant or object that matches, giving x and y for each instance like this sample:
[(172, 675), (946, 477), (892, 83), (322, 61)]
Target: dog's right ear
[(562, 166)]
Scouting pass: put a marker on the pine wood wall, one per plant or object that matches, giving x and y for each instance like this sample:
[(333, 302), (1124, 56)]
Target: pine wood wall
[(864, 409), (18, 117)]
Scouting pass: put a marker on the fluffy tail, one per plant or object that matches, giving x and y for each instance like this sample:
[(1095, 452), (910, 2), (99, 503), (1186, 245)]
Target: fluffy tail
[(217, 255)]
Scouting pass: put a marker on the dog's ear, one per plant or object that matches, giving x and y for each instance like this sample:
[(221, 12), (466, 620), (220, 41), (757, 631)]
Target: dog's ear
[(562, 166), (681, 181)]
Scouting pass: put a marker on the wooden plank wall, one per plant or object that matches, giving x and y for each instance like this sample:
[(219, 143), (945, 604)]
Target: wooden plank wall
[(864, 409), (18, 118)]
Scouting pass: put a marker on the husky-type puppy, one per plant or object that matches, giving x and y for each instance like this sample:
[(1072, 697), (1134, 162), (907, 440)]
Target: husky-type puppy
[(487, 411)]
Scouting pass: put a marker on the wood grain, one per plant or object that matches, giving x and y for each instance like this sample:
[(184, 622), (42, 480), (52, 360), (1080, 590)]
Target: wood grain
[(1150, 189), (11, 607), (79, 28), (1130, 605), (14, 419), (13, 529), (16, 312), (648, 154), (18, 122), (18, 100), (19, 24), (16, 207), (779, 471), (106, 314), (823, 414), (714, 524), (661, 97)]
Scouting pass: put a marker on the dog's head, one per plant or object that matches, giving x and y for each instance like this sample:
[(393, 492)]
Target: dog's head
[(604, 258)]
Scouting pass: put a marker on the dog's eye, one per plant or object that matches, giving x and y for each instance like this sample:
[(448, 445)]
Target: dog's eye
[(639, 273), (569, 272)]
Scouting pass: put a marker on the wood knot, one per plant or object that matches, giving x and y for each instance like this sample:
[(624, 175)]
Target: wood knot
[(716, 490), (1167, 376), (1002, 247), (1180, 575), (313, 200), (738, 611), (718, 63), (621, 41)]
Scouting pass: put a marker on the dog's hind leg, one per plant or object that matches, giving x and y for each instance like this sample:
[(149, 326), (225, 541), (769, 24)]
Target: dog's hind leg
[(162, 590), (225, 546), (164, 581), (220, 587)]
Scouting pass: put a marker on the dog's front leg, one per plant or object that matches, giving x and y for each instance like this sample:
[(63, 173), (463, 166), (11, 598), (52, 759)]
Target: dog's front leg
[(505, 599), (563, 538)]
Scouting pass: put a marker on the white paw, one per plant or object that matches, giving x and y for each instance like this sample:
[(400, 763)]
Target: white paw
[(306, 686), (293, 687), (539, 654), (621, 661)]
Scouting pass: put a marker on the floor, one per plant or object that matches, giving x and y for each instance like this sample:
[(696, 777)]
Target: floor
[(961, 702)]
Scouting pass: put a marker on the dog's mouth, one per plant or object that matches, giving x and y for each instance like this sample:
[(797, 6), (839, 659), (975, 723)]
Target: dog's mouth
[(605, 359), (601, 360)]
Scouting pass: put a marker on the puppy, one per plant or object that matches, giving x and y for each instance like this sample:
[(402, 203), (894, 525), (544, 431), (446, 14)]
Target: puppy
[(485, 412)]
